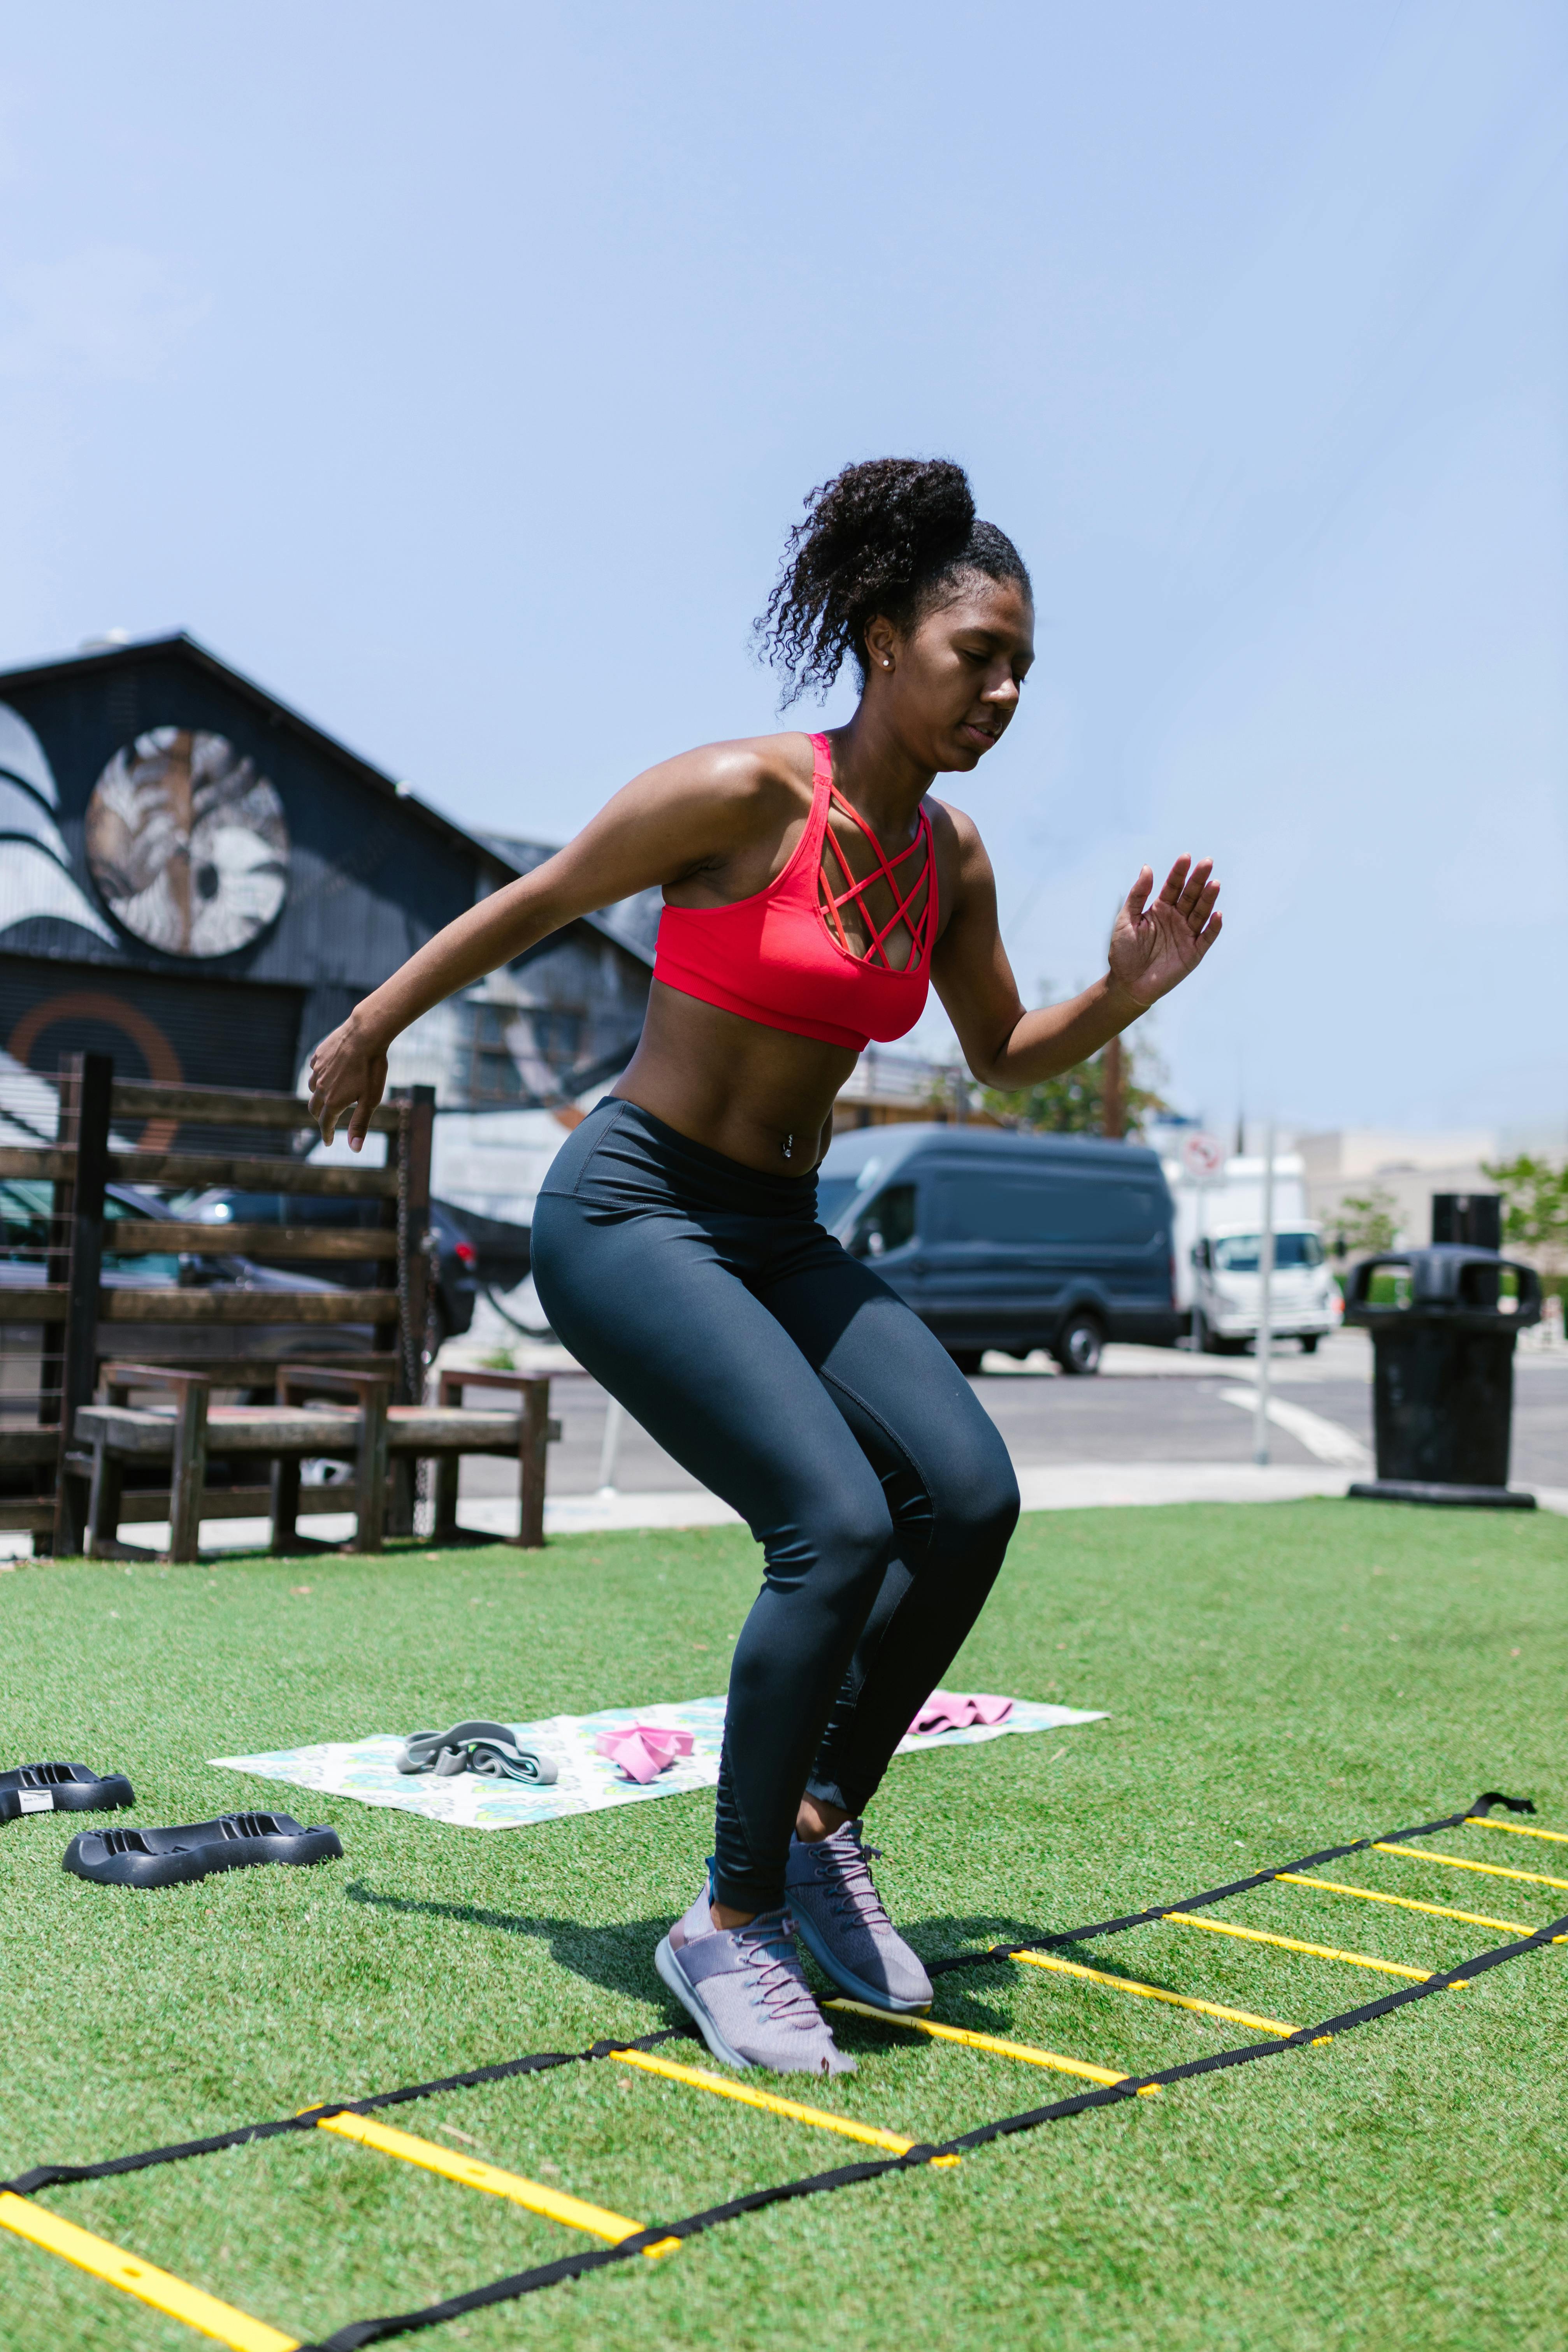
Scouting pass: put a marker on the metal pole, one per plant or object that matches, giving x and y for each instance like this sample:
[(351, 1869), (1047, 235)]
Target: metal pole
[(1264, 1304), (1113, 1099), (609, 1450)]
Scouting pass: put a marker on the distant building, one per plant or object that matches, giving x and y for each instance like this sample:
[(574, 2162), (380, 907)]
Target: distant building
[(197, 880), (887, 1090), (1406, 1168)]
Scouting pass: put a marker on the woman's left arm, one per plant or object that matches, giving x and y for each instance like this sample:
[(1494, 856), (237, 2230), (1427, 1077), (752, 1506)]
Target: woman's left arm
[(1155, 944)]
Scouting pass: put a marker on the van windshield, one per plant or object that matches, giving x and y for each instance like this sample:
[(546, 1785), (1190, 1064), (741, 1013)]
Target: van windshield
[(1239, 1253), (887, 1224), (834, 1194)]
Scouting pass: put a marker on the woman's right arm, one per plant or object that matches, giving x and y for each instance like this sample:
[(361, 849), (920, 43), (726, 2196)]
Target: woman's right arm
[(686, 814)]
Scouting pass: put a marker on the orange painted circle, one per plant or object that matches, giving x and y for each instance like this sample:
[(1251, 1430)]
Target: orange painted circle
[(93, 1004)]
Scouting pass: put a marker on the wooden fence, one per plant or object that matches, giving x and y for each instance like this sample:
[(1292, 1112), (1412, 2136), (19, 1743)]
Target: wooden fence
[(82, 1320)]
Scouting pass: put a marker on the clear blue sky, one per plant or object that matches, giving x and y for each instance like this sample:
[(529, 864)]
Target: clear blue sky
[(457, 371)]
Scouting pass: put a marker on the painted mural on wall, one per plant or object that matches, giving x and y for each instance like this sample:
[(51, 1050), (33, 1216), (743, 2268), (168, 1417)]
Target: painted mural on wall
[(200, 883), (187, 844), (35, 877)]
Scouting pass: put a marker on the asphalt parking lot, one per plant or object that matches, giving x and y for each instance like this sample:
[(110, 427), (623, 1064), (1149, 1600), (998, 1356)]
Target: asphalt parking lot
[(1146, 1405)]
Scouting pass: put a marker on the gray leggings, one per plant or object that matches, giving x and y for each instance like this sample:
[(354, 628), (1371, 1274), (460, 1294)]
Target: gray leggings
[(789, 1379)]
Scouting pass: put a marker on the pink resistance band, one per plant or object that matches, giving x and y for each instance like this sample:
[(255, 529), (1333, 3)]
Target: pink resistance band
[(643, 1750), (953, 1711)]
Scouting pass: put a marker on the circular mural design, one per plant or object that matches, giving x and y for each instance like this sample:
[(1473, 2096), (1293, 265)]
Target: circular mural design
[(188, 845)]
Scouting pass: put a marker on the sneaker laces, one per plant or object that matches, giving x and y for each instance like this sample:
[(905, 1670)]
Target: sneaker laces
[(767, 1946), (850, 1887)]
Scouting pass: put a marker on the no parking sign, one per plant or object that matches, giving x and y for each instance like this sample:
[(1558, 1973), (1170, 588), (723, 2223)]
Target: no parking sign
[(1203, 1156)]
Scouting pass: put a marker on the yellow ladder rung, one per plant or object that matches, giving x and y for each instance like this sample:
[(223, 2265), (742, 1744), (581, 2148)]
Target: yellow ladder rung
[(1513, 1828), (993, 2042), (474, 2173), (699, 2079), (1457, 1862), (144, 2280), (1291, 1944), (1156, 1992), (1405, 1902)]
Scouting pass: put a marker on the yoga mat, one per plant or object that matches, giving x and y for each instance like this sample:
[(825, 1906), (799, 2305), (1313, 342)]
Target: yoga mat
[(367, 1769)]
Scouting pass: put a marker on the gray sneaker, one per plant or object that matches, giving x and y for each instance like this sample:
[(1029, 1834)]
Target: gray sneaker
[(839, 1918), (747, 1991)]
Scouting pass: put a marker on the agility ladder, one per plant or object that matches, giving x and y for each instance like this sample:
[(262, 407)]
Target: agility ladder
[(624, 2238)]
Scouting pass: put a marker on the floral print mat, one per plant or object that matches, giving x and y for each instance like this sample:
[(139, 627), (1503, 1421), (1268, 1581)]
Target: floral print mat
[(367, 1769)]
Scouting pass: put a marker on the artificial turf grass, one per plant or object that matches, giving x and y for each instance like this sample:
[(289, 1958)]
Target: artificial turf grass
[(1402, 2186)]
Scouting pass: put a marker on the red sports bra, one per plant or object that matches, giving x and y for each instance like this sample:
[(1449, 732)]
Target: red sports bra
[(782, 956)]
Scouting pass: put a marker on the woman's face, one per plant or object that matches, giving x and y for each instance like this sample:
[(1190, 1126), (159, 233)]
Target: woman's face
[(950, 685)]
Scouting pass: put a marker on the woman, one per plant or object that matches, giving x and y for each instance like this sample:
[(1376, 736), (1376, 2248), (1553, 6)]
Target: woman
[(813, 893)]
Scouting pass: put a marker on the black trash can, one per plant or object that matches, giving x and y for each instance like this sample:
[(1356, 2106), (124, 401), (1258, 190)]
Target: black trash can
[(1443, 1375), (1472, 1218)]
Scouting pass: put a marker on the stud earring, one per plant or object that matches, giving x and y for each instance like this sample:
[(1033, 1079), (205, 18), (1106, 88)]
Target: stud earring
[(886, 663)]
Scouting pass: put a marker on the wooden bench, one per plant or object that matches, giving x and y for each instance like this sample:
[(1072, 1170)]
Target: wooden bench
[(185, 1434), (536, 1430), (442, 1433), (189, 1342), (371, 1433)]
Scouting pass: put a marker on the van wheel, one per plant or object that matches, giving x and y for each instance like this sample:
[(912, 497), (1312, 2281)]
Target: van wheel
[(967, 1359), (1078, 1343), (1309, 1343)]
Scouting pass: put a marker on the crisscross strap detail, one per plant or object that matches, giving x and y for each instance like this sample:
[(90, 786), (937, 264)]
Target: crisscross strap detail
[(785, 957), (831, 901)]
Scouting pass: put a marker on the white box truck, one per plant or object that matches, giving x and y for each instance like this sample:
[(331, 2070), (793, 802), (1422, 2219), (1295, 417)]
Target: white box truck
[(1219, 1219)]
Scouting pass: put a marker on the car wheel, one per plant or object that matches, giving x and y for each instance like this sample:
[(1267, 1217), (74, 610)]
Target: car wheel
[(967, 1359), (1309, 1343), (1078, 1343)]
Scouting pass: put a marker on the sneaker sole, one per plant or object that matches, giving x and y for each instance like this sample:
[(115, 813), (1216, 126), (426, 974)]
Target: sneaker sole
[(670, 1968), (874, 1996)]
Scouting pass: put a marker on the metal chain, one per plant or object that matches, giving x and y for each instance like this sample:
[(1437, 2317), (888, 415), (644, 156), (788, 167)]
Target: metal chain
[(424, 1494), (404, 1336), (412, 1342)]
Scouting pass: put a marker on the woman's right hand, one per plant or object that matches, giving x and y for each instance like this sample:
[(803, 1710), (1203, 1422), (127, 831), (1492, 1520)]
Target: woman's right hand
[(347, 1073)]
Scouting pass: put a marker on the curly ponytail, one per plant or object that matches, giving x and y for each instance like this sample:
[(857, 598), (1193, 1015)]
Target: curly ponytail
[(881, 537)]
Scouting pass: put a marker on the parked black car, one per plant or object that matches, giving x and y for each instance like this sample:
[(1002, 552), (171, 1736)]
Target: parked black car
[(1013, 1242), (26, 1209), (471, 1252)]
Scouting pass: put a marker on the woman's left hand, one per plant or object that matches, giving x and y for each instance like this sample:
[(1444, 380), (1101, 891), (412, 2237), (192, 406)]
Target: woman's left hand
[(1154, 947)]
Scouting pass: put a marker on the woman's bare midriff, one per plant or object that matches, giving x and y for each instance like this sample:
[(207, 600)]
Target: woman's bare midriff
[(735, 1086)]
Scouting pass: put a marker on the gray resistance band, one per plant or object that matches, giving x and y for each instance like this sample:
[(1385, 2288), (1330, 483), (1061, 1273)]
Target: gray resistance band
[(489, 1749)]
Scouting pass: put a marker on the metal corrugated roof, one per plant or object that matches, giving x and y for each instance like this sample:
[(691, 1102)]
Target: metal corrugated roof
[(181, 643)]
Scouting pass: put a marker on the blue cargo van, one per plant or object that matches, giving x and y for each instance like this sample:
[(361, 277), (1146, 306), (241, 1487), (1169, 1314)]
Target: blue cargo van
[(1007, 1241)]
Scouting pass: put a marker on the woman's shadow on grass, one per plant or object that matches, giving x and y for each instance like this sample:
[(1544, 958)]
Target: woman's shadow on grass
[(619, 1956)]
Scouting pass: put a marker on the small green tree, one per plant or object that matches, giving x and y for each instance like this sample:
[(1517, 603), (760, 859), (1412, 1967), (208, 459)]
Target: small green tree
[(1074, 1102), (1535, 1203), (1364, 1223)]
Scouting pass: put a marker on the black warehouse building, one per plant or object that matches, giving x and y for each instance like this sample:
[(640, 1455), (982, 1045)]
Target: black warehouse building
[(197, 880)]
